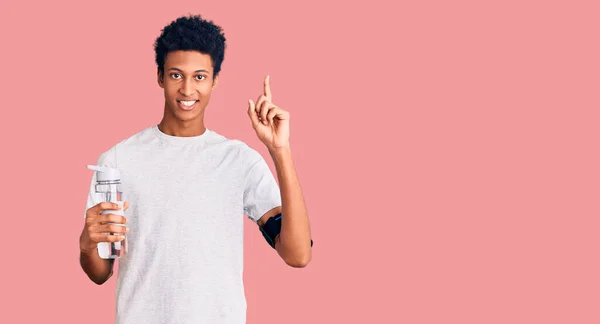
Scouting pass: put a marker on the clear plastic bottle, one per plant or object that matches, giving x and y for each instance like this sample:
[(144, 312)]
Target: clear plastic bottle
[(108, 188)]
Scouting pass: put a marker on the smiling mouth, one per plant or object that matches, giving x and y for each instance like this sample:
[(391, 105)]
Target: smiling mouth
[(187, 104)]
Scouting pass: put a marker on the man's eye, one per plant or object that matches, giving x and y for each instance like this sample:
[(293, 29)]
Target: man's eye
[(200, 76), (175, 75)]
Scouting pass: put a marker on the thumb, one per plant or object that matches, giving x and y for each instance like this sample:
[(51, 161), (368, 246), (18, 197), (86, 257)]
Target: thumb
[(125, 205), (252, 113)]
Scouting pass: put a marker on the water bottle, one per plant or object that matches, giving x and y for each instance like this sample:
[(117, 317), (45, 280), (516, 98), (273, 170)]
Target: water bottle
[(108, 188)]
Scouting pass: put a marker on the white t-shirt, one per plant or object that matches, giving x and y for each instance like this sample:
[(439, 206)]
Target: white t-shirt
[(188, 198)]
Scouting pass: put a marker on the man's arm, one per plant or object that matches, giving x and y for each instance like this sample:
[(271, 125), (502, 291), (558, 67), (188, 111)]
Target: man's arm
[(97, 269), (272, 127), (293, 243)]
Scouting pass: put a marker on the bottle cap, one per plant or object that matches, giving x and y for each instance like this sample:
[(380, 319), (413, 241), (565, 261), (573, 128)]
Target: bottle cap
[(104, 173)]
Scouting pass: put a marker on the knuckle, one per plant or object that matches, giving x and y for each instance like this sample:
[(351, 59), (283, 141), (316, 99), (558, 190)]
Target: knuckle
[(117, 218), (116, 229), (116, 238)]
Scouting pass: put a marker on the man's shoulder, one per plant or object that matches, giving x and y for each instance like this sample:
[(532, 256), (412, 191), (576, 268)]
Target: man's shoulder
[(245, 151), (108, 157)]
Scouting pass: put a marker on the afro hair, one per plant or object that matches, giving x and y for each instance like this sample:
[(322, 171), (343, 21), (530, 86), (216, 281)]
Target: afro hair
[(191, 33)]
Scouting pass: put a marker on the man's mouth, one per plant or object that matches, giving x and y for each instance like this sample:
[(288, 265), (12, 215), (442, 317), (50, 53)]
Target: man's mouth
[(187, 104)]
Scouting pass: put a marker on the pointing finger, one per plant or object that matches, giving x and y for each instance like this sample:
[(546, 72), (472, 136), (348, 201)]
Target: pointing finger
[(268, 88)]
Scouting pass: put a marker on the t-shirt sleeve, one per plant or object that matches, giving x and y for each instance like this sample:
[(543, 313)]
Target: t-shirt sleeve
[(261, 192)]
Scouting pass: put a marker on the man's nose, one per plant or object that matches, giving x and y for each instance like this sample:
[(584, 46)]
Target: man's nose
[(187, 88)]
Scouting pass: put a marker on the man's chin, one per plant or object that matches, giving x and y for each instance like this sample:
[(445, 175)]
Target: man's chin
[(184, 115)]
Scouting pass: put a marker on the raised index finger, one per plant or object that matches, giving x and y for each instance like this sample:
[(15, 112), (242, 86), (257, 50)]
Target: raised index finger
[(268, 88)]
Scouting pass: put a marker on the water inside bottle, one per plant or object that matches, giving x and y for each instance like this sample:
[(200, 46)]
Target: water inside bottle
[(113, 250)]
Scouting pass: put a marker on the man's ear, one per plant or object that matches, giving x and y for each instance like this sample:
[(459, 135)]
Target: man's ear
[(215, 82), (160, 79)]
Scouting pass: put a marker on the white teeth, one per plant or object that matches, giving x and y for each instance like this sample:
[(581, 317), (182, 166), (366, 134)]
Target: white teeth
[(188, 103)]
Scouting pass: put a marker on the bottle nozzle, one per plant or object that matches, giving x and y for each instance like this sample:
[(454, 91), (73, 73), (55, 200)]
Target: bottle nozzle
[(105, 173), (97, 168)]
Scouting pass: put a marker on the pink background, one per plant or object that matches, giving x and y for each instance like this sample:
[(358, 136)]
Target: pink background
[(447, 150)]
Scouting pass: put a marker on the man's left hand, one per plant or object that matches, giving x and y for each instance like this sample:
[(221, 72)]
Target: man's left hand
[(271, 123)]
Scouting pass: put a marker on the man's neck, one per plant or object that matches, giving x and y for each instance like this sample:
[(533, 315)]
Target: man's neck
[(181, 128)]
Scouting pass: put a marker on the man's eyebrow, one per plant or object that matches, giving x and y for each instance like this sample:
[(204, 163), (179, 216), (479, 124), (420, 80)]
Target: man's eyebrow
[(176, 69)]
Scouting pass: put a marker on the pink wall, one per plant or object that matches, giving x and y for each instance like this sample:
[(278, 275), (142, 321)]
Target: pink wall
[(448, 152)]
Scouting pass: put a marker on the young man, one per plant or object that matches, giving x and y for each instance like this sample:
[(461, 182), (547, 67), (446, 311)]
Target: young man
[(189, 187)]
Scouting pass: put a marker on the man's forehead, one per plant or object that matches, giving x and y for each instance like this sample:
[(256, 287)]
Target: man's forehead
[(188, 61)]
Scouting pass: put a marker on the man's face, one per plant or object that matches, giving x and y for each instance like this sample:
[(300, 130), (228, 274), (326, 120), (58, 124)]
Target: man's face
[(188, 83)]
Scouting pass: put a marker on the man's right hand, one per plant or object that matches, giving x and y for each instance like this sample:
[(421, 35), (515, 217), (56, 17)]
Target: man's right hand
[(98, 227)]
